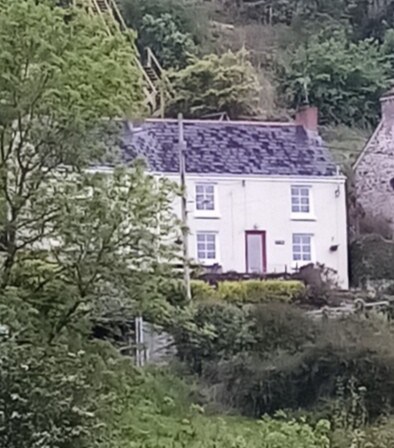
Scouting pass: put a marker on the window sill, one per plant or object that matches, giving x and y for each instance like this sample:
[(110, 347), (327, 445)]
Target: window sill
[(208, 263), (206, 216), (302, 217)]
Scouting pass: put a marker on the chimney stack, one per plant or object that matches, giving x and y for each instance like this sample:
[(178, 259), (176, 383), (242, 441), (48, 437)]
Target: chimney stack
[(387, 105), (308, 117)]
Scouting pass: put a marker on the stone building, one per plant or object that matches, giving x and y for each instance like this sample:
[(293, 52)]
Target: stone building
[(374, 170)]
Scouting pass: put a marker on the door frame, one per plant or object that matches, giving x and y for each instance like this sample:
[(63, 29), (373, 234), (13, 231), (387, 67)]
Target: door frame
[(263, 235)]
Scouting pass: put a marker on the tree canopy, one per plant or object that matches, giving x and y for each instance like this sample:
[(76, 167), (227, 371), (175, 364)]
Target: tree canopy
[(76, 243), (216, 84)]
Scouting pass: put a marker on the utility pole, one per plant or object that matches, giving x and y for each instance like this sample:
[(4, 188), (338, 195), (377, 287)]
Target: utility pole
[(185, 229)]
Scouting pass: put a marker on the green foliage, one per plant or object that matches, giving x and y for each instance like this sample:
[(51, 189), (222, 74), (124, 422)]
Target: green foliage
[(48, 397), (209, 331), (78, 245), (256, 291), (182, 12), (232, 291), (377, 436), (352, 350), (168, 27), (237, 292), (279, 327), (160, 412), (342, 78), (171, 46), (364, 18), (345, 142), (202, 290), (372, 258), (213, 84)]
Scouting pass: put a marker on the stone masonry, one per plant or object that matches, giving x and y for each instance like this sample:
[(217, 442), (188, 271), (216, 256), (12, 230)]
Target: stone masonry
[(374, 169)]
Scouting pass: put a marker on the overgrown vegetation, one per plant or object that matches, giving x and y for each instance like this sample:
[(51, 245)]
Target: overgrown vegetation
[(80, 248), (263, 358), (337, 55)]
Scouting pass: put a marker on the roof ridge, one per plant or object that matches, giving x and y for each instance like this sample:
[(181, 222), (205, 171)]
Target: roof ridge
[(200, 121)]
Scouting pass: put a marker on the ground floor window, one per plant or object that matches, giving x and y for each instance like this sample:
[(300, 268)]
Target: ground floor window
[(206, 246), (302, 247)]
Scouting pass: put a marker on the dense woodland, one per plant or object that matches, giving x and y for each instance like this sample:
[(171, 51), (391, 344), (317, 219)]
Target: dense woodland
[(83, 254), (335, 54)]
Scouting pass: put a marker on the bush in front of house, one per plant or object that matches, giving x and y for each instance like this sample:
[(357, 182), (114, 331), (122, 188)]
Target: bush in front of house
[(202, 290), (261, 291), (237, 292), (260, 358), (345, 363), (208, 331), (250, 291)]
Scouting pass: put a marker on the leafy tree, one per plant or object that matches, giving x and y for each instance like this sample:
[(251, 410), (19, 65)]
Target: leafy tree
[(216, 84), (162, 34), (169, 27), (181, 11), (75, 244), (342, 78)]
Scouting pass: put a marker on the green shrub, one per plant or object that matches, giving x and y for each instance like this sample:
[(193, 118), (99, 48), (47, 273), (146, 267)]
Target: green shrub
[(173, 291), (281, 327), (202, 290), (372, 258), (211, 330), (356, 351), (280, 290), (260, 291), (232, 291)]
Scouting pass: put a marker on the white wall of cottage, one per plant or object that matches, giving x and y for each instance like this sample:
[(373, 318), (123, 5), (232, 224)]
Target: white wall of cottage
[(252, 203)]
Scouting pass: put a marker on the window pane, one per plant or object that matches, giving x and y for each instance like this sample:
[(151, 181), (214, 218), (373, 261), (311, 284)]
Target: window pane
[(209, 189), (297, 257), (306, 239), (296, 239), (206, 246), (306, 257), (305, 192), (296, 248), (199, 189), (305, 201), (305, 209)]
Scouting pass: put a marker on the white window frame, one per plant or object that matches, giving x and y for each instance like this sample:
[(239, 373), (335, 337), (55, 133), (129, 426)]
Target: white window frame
[(302, 245), (201, 212), (299, 197), (206, 260)]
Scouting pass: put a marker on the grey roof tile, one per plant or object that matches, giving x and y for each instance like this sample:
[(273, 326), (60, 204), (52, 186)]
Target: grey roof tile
[(229, 148)]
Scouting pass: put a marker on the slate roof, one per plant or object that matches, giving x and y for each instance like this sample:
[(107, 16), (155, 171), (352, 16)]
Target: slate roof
[(221, 147)]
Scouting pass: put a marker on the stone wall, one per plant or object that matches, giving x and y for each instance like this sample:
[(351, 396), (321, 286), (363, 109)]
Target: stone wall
[(374, 174)]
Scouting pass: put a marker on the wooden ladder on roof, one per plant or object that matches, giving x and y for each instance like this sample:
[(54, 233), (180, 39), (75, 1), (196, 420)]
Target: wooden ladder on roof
[(157, 87)]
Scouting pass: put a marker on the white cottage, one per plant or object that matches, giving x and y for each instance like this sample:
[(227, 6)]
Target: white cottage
[(262, 197)]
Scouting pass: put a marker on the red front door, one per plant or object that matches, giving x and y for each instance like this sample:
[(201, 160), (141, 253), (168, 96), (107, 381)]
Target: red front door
[(255, 250)]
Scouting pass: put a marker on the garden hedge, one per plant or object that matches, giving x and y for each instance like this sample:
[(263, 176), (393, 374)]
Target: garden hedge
[(250, 291)]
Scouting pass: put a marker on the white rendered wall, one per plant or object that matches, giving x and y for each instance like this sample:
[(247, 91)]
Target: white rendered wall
[(247, 203)]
